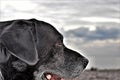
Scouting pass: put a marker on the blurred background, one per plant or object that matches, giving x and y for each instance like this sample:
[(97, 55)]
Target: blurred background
[(91, 27)]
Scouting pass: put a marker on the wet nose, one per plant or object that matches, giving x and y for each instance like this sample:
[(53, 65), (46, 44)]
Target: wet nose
[(85, 62)]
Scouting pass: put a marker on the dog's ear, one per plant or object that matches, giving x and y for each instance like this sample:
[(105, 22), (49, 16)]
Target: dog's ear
[(18, 38)]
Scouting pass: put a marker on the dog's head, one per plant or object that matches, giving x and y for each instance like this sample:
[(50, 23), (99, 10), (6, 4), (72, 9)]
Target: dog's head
[(34, 50)]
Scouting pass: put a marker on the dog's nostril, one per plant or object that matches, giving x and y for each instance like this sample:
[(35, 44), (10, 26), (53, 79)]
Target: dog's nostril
[(85, 62)]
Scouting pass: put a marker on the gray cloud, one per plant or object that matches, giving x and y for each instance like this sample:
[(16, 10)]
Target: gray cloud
[(102, 52), (82, 7), (101, 33)]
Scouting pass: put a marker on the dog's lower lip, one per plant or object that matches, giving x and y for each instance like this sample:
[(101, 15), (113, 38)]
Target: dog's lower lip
[(51, 76)]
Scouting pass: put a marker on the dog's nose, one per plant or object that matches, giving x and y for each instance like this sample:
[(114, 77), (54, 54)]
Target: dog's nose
[(85, 62), (82, 60)]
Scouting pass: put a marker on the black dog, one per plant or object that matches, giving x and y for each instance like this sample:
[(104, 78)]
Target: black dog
[(34, 50)]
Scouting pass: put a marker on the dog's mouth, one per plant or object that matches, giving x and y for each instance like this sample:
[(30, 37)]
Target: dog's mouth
[(52, 76)]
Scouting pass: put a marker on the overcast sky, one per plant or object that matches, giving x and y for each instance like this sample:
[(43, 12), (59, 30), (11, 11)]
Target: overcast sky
[(91, 27)]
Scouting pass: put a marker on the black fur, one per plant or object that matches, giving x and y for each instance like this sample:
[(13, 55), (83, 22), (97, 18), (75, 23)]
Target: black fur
[(29, 48)]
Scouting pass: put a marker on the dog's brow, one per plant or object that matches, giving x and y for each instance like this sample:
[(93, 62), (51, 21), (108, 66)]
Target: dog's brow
[(61, 37)]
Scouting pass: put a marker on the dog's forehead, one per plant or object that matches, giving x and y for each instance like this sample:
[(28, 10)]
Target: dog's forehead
[(48, 30)]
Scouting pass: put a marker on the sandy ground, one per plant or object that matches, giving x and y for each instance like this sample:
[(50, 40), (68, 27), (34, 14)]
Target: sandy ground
[(100, 75)]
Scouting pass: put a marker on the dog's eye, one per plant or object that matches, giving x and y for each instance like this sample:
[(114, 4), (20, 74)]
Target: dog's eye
[(59, 44)]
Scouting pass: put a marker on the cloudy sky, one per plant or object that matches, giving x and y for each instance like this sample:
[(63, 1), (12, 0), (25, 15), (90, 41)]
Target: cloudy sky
[(91, 27)]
